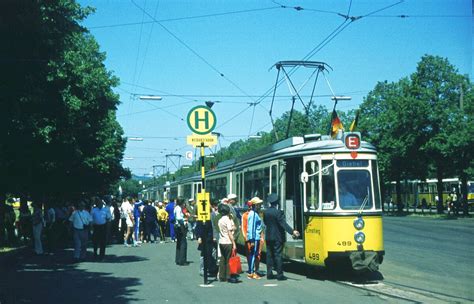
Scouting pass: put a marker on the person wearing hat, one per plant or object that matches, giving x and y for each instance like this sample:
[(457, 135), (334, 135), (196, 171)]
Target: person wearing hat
[(275, 237), (254, 233), (231, 202)]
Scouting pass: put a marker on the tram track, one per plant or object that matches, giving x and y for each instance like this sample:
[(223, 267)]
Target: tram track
[(403, 292)]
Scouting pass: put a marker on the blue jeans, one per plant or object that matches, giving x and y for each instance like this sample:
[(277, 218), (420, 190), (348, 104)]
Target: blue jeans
[(136, 231), (80, 237)]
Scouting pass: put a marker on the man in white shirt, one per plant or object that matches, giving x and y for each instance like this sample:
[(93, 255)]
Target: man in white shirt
[(100, 218)]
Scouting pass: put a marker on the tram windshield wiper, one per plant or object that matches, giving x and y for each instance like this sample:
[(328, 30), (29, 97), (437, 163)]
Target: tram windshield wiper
[(364, 202)]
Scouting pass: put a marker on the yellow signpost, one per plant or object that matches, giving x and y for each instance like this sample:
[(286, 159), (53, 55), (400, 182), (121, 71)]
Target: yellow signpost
[(202, 120), (204, 206)]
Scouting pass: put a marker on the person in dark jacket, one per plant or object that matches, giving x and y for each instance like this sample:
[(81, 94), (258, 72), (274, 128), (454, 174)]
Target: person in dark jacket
[(275, 237), (151, 219)]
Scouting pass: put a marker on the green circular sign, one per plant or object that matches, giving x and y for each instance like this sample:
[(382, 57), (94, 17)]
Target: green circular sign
[(201, 120)]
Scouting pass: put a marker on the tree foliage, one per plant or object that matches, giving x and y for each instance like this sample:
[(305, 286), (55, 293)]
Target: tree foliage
[(419, 125), (59, 135)]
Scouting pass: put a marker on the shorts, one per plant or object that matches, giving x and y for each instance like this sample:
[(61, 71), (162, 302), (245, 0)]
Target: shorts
[(129, 222)]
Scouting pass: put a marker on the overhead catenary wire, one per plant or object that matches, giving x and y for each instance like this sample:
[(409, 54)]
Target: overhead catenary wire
[(186, 18), (148, 43), (347, 21), (235, 116), (211, 66), (155, 109), (251, 120)]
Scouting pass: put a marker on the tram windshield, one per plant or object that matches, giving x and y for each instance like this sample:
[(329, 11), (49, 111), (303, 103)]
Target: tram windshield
[(354, 189)]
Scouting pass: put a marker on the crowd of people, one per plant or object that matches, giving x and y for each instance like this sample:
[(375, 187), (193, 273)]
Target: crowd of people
[(133, 222)]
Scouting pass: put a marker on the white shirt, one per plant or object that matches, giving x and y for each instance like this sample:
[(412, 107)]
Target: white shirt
[(100, 216), (80, 218), (178, 214), (127, 209), (112, 209), (226, 229)]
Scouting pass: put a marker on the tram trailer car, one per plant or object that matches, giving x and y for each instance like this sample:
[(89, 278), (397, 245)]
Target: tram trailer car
[(328, 188)]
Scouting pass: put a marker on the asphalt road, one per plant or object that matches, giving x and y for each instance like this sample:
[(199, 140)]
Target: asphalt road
[(428, 254), (433, 254)]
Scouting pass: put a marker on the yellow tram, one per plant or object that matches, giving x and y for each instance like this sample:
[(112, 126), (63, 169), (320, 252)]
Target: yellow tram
[(328, 189)]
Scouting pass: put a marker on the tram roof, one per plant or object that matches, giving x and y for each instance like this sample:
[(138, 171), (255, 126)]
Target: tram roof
[(302, 145), (290, 147)]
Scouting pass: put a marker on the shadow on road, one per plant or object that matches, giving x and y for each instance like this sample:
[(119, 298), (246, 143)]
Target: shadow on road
[(54, 279)]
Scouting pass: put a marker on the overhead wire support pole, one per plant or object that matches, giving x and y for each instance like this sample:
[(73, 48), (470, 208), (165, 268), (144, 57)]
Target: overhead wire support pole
[(320, 66), (291, 115), (273, 99), (296, 91)]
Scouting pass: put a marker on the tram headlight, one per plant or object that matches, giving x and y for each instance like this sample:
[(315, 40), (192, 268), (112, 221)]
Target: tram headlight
[(359, 223), (359, 237)]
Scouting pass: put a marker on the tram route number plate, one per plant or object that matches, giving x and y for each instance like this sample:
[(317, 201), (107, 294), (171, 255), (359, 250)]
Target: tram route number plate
[(204, 206)]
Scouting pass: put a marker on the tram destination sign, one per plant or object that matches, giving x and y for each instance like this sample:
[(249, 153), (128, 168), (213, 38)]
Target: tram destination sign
[(352, 163)]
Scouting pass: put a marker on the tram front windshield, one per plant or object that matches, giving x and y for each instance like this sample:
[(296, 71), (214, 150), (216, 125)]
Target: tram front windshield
[(354, 189)]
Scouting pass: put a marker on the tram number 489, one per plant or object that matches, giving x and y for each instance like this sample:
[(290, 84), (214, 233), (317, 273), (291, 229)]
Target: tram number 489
[(344, 243), (314, 256)]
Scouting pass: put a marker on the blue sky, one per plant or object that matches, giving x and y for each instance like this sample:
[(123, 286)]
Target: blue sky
[(182, 56)]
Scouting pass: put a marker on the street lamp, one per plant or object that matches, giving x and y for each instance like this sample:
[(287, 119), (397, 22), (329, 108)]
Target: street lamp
[(337, 98), (150, 97)]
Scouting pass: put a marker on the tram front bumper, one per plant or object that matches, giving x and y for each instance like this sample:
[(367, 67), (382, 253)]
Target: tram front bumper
[(360, 261)]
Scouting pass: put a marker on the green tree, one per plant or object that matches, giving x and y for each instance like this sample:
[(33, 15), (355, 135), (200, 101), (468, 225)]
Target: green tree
[(60, 136), (393, 121), (437, 84)]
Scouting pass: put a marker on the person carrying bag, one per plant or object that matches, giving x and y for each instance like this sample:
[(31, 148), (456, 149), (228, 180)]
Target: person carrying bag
[(226, 244), (235, 265), (80, 222)]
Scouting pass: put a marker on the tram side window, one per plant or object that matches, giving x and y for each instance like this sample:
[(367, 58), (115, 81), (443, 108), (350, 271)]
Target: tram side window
[(378, 199), (312, 186), (217, 188), (329, 192), (187, 191), (257, 183), (173, 193), (274, 179)]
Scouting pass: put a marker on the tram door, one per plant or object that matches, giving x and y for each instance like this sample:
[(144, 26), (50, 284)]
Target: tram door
[(293, 203)]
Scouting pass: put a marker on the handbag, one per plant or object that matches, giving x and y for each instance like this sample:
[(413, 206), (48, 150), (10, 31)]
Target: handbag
[(234, 263)]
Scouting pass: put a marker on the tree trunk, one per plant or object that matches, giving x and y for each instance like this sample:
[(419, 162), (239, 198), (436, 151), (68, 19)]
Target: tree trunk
[(439, 186), (464, 191), (399, 195), (2, 217)]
